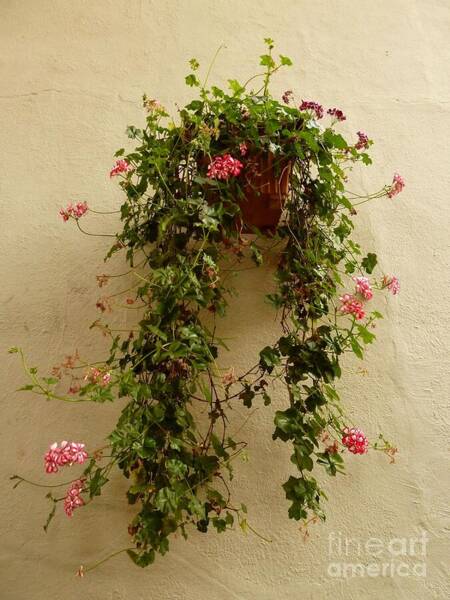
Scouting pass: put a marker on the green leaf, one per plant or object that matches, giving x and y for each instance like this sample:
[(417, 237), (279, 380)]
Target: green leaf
[(335, 140), (235, 87), (366, 335), (143, 559), (192, 80), (369, 262), (356, 348), (285, 60), (267, 61), (219, 524), (176, 468), (269, 358), (310, 140), (284, 420), (194, 64)]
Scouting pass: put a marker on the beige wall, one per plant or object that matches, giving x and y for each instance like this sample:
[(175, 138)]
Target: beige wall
[(71, 79)]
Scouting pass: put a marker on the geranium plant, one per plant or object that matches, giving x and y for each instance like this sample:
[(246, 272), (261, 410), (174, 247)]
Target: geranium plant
[(236, 172)]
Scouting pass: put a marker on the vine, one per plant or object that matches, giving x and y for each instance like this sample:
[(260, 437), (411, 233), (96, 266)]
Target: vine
[(184, 230)]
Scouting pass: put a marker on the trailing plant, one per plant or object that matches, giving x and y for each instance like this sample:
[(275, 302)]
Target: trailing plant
[(185, 230)]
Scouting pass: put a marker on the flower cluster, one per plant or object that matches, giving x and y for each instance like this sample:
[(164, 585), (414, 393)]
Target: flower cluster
[(363, 287), (355, 440), (224, 167), (73, 497), (337, 113), (398, 183), (67, 453), (351, 306), (121, 166), (286, 97), (94, 375), (363, 141), (153, 106), (314, 106), (392, 284), (76, 211)]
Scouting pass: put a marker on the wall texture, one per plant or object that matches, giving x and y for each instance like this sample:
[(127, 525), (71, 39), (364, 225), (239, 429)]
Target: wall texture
[(71, 78)]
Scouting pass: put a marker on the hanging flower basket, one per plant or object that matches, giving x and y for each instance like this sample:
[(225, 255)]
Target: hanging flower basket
[(233, 162)]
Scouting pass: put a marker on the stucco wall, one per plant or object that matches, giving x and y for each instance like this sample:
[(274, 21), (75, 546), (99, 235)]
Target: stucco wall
[(71, 78)]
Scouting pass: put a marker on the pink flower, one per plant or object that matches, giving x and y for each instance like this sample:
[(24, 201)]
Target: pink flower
[(76, 211), (314, 106), (224, 167), (153, 106), (363, 141), (352, 306), (286, 97), (121, 166), (66, 212), (337, 113), (76, 453), (243, 148), (355, 440), (73, 497), (51, 459), (80, 209), (96, 376), (398, 183), (67, 453), (392, 284), (363, 287)]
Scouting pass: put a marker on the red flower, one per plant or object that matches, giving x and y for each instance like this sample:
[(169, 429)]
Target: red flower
[(398, 183), (355, 440), (224, 167), (337, 113), (314, 106), (121, 166), (351, 306)]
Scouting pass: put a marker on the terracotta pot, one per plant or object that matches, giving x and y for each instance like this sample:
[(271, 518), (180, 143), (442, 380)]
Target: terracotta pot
[(265, 186)]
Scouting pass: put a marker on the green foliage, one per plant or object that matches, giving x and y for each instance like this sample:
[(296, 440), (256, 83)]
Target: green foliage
[(180, 234)]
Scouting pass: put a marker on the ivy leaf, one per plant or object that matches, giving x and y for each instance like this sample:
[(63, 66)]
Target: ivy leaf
[(194, 64), (334, 140), (369, 262), (366, 335), (310, 140), (285, 60), (267, 61), (192, 80), (142, 559), (235, 87), (269, 358)]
